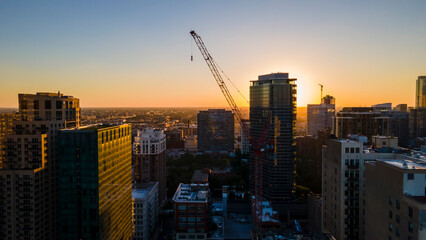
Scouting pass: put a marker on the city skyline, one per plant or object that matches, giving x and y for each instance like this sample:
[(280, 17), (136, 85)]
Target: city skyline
[(129, 55)]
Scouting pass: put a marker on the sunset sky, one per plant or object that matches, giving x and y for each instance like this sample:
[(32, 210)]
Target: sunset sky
[(137, 53)]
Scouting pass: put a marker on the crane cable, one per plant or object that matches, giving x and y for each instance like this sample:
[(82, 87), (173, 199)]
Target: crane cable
[(231, 81)]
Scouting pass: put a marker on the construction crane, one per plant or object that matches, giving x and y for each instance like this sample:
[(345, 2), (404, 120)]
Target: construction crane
[(257, 145), (321, 91)]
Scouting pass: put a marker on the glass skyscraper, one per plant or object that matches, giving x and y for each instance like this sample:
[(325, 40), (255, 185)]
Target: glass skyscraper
[(273, 111), (95, 182)]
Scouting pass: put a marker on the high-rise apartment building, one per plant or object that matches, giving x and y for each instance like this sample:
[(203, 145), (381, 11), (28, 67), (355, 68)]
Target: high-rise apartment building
[(421, 92), (145, 210), (320, 116), (28, 174), (215, 131), (95, 182), (395, 199), (273, 108), (191, 204), (343, 187), (366, 121), (149, 158)]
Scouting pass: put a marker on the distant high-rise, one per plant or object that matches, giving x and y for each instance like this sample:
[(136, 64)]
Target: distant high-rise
[(273, 106), (215, 131), (320, 116), (149, 158), (366, 121), (421, 92), (95, 182), (245, 142), (417, 122), (28, 174)]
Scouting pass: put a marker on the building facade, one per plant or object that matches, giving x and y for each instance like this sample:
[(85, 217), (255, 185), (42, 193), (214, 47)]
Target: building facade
[(421, 92), (215, 131), (361, 121), (95, 182), (245, 141), (395, 202), (145, 210), (6, 121), (191, 205), (149, 158), (320, 116), (417, 122), (343, 187), (273, 117), (28, 175)]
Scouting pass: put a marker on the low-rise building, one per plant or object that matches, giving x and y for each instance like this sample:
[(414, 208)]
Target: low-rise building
[(191, 204)]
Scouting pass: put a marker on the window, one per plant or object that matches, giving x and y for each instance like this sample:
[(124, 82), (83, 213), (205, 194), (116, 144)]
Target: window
[(410, 176), (48, 104), (346, 150), (352, 150), (397, 218), (182, 207), (410, 227), (36, 104), (390, 227), (58, 104), (390, 214), (410, 212), (390, 200), (357, 150), (397, 204)]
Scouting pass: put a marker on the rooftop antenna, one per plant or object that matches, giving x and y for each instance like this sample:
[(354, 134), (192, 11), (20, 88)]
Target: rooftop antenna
[(321, 91)]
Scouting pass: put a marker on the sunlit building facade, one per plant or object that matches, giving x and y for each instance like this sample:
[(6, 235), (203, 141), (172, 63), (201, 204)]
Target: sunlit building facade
[(421, 92), (273, 108), (95, 182), (320, 116)]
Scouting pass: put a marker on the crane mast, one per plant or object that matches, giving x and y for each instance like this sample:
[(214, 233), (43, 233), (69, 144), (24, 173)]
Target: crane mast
[(257, 145)]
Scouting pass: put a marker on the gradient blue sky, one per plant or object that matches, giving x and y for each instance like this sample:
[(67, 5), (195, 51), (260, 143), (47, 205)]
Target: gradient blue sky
[(137, 53)]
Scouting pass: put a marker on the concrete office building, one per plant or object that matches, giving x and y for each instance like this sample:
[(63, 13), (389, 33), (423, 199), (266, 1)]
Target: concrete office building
[(28, 175), (395, 200), (421, 92), (191, 204), (343, 187), (145, 210), (95, 182), (320, 116), (273, 105), (215, 131), (149, 158), (364, 121)]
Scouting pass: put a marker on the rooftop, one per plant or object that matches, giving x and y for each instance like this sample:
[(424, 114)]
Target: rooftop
[(92, 127), (192, 193), (142, 190), (200, 176), (404, 164)]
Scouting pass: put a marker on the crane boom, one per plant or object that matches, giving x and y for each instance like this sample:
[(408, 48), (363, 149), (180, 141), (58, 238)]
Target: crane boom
[(214, 69)]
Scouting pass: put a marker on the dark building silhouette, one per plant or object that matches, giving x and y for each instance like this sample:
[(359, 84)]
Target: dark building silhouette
[(418, 122), (28, 172), (215, 131), (273, 106)]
